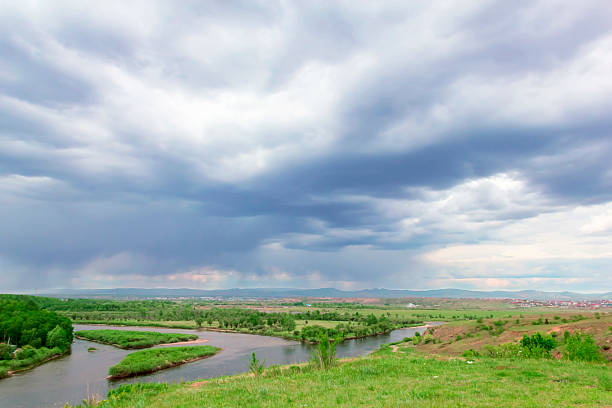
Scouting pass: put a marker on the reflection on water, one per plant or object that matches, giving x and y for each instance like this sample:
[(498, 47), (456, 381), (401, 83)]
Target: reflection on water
[(83, 373)]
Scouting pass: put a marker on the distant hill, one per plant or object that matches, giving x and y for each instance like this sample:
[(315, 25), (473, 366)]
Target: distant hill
[(267, 293)]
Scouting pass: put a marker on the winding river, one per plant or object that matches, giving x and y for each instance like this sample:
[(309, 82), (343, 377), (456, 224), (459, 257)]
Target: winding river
[(82, 373)]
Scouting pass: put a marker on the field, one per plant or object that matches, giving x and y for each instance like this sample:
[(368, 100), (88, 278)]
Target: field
[(133, 339), (148, 361)]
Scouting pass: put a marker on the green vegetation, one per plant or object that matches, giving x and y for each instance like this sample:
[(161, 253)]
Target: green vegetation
[(393, 376), (581, 347), (91, 349), (23, 322), (30, 336), (148, 361), (133, 339), (324, 356), (255, 366)]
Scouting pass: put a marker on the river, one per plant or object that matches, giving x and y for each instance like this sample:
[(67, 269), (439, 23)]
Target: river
[(82, 373)]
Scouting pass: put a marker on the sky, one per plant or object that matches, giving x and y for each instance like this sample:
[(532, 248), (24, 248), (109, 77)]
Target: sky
[(348, 144)]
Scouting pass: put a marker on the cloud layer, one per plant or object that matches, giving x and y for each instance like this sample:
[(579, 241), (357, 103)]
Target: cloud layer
[(344, 144)]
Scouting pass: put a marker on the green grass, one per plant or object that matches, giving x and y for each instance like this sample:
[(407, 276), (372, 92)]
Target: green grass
[(133, 339), (148, 361), (390, 379)]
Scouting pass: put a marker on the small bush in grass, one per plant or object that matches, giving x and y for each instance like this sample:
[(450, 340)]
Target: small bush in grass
[(507, 350), (255, 366), (581, 347), (537, 345), (324, 356), (471, 353)]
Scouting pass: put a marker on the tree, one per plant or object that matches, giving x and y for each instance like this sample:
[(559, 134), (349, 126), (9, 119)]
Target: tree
[(57, 338)]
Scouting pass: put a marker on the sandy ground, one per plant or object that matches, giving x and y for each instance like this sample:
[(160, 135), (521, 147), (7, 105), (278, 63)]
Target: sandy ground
[(185, 343)]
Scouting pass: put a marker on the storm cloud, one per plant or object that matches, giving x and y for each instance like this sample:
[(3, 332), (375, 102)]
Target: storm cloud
[(306, 144)]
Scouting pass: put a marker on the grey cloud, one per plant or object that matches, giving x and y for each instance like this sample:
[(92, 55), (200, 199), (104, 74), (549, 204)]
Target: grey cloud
[(147, 195)]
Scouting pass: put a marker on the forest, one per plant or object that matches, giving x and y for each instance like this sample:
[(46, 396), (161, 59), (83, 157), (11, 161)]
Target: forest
[(30, 335)]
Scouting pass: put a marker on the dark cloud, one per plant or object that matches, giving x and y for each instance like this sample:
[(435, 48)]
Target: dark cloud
[(337, 144)]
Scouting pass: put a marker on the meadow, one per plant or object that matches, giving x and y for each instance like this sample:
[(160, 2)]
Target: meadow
[(127, 339)]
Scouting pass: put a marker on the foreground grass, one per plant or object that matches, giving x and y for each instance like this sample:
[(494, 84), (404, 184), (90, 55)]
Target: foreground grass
[(148, 361), (133, 339), (390, 379)]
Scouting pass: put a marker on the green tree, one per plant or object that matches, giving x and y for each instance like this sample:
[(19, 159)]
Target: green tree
[(57, 338)]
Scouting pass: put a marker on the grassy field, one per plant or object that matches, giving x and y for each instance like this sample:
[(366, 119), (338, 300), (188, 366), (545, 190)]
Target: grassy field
[(392, 377), (133, 339), (148, 361)]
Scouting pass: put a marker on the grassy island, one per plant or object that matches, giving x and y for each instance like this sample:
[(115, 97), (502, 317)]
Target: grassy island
[(148, 361), (132, 339)]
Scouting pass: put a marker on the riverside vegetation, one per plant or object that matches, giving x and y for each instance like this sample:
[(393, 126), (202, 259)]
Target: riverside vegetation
[(30, 336), (297, 323), (148, 361), (127, 339)]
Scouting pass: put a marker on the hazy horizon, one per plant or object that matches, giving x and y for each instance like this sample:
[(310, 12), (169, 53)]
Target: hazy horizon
[(348, 144)]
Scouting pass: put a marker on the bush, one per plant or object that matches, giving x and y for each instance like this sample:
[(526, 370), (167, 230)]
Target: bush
[(537, 346), (471, 353), (324, 356), (5, 351), (581, 347), (255, 366), (25, 352), (507, 350)]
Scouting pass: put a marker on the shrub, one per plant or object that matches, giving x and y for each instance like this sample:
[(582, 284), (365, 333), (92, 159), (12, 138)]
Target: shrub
[(255, 366), (25, 352), (507, 350), (581, 347), (537, 346), (471, 353), (5, 351), (324, 356)]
